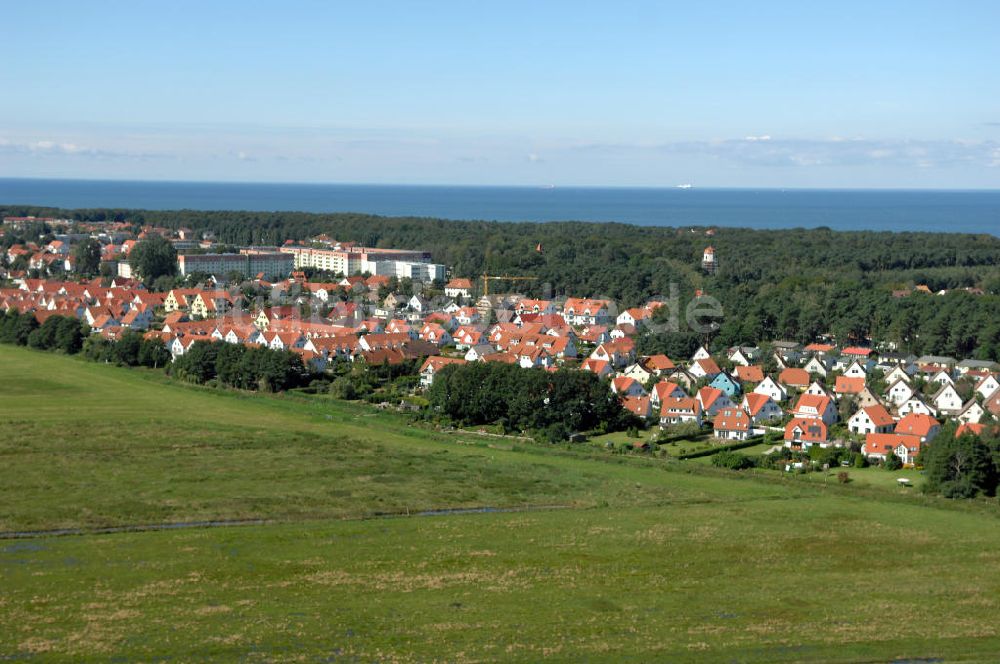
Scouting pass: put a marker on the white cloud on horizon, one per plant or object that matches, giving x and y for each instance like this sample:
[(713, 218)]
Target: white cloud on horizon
[(766, 151)]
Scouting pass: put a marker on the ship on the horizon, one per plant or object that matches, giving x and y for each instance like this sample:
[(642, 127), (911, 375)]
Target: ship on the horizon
[(683, 186)]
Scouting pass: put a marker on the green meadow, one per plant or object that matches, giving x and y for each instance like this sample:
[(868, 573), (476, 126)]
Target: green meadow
[(607, 558)]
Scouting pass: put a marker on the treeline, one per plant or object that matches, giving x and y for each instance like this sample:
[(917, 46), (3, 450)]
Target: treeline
[(57, 333), (790, 284), (555, 404), (232, 365), (242, 367)]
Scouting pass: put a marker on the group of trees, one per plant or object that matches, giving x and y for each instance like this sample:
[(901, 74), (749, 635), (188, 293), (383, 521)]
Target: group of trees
[(153, 258), (557, 404), (242, 367), (129, 350), (57, 333), (16, 328), (232, 365), (965, 466)]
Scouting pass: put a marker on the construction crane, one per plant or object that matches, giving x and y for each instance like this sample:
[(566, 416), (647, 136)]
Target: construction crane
[(487, 279)]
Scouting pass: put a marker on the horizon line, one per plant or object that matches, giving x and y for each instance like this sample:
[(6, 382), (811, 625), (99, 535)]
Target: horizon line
[(542, 186)]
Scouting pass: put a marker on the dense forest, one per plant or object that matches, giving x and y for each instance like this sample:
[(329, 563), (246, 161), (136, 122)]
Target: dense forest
[(792, 284)]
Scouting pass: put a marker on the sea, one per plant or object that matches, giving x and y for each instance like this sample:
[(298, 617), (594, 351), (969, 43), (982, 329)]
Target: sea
[(973, 211)]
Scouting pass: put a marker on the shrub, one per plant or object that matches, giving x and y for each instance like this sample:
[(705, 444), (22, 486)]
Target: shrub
[(892, 462), (343, 388), (732, 460)]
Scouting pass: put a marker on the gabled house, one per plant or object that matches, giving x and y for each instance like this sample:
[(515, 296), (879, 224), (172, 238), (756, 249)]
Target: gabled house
[(732, 424), (600, 367), (137, 319), (744, 355), (624, 386), (704, 368), (873, 419), (794, 378), (947, 400), (418, 304), (639, 406), (817, 366), (942, 377), (771, 388), (638, 372), (805, 432), (665, 390), (878, 446), (458, 288), (434, 364), (899, 393), (924, 427), (659, 364), (761, 408), (727, 384), (582, 311), (988, 386), (479, 352), (701, 354), (849, 385), (866, 398), (434, 333), (680, 411), (992, 404), (817, 389), (856, 370), (972, 412), (683, 378), (916, 405), (898, 372), (752, 373), (815, 407), (712, 400)]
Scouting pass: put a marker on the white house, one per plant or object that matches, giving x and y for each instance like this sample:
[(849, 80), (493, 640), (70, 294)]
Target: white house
[(700, 354), (947, 400), (817, 366), (638, 372), (916, 405), (988, 386), (873, 419), (478, 352), (772, 389), (897, 373), (856, 370), (942, 377), (899, 393), (971, 413), (816, 389), (458, 288)]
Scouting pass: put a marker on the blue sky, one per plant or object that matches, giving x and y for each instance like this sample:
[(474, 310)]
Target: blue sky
[(765, 94)]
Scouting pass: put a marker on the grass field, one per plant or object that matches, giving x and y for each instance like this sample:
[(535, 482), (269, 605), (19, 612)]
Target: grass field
[(648, 561)]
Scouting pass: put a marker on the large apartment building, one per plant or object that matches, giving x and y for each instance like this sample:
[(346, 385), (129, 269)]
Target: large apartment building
[(348, 259), (249, 263)]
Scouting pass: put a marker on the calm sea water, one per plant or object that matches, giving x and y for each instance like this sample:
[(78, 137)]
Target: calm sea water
[(892, 210)]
